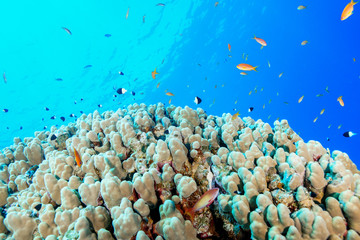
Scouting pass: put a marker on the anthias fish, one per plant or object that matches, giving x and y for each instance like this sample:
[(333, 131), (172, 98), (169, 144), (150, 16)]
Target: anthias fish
[(246, 67), (77, 157), (205, 200), (153, 74), (348, 10)]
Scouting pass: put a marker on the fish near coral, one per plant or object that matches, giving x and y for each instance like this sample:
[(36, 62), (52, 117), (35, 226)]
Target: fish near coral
[(77, 157), (205, 200), (348, 10)]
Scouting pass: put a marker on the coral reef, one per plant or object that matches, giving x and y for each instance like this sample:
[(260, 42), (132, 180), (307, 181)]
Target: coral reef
[(143, 168)]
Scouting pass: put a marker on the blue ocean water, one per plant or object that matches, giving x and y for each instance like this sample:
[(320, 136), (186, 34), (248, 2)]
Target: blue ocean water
[(187, 42)]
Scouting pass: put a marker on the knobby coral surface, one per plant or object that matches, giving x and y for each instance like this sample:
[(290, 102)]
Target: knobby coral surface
[(144, 167)]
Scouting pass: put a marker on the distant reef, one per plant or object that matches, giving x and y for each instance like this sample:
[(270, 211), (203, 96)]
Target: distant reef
[(139, 173)]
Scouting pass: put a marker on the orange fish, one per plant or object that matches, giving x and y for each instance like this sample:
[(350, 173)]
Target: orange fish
[(315, 119), (303, 43), (235, 116), (246, 67), (170, 94), (67, 30), (157, 86), (229, 47), (300, 99), (261, 41), (170, 101), (77, 158), (340, 100), (127, 13), (322, 111), (348, 10), (205, 200), (301, 7), (153, 73), (243, 73), (280, 75)]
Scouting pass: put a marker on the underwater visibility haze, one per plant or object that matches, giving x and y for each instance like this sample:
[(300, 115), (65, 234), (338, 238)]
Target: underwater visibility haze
[(270, 60), (187, 43)]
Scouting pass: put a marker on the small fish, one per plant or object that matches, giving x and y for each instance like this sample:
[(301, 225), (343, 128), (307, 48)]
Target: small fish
[(197, 100), (5, 110), (246, 67), (121, 73), (280, 74), (315, 119), (38, 207), (349, 134), (250, 109), (229, 47), (236, 101), (250, 92), (157, 86), (303, 43), (235, 116), (107, 35), (243, 73), (339, 126), (348, 10), (121, 90), (133, 93), (75, 102), (53, 117), (45, 127), (340, 100), (77, 157), (67, 30), (246, 57), (329, 126), (170, 101), (277, 94), (216, 3), (99, 105), (264, 106), (354, 59), (62, 118), (153, 74), (127, 14), (269, 64), (301, 7), (144, 19), (47, 109), (270, 101), (88, 66), (300, 99), (327, 89), (4, 76), (205, 200), (286, 102), (53, 137), (21, 127), (269, 116), (58, 79), (71, 115), (322, 111), (261, 41), (328, 139), (170, 94), (160, 4), (319, 95)]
